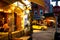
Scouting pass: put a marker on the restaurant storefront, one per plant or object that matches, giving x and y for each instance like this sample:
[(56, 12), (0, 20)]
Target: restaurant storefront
[(15, 18), (11, 21)]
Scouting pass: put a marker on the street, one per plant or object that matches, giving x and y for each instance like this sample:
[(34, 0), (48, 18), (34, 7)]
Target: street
[(29, 19), (44, 35)]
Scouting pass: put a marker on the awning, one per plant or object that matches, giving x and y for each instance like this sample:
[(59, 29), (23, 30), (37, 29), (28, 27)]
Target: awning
[(7, 6), (12, 1), (39, 2)]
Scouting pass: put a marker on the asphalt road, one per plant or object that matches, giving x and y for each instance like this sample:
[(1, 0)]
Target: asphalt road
[(43, 35)]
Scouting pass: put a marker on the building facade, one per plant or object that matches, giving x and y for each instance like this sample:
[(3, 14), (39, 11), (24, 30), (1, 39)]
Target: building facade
[(57, 14), (37, 11), (47, 3)]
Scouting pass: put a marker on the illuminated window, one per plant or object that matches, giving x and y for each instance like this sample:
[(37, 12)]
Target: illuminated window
[(41, 11), (35, 12)]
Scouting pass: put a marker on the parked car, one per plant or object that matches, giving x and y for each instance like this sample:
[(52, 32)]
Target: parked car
[(42, 27)]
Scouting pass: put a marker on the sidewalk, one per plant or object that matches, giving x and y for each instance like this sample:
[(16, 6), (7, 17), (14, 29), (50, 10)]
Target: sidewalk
[(22, 38), (17, 34)]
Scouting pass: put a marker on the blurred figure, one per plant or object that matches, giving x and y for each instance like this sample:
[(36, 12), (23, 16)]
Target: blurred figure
[(1, 24), (1, 27), (6, 27), (39, 22), (52, 24)]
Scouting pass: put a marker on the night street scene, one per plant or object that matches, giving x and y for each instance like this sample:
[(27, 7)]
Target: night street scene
[(29, 19)]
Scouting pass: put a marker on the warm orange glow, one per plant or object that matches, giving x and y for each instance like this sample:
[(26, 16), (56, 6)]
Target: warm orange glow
[(1, 9), (3, 18), (29, 8), (13, 8), (7, 11), (15, 3), (22, 25), (47, 20), (27, 11)]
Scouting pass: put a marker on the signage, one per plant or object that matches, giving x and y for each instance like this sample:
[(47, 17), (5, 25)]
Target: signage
[(56, 9), (55, 0)]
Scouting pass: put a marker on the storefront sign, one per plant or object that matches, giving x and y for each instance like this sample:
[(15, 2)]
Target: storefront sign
[(56, 9)]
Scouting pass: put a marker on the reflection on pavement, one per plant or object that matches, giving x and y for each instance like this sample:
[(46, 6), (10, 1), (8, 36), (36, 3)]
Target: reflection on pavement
[(48, 30), (36, 30)]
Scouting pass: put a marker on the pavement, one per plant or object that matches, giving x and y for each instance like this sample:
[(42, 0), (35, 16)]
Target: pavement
[(22, 38), (39, 35), (4, 34), (43, 35), (25, 37)]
